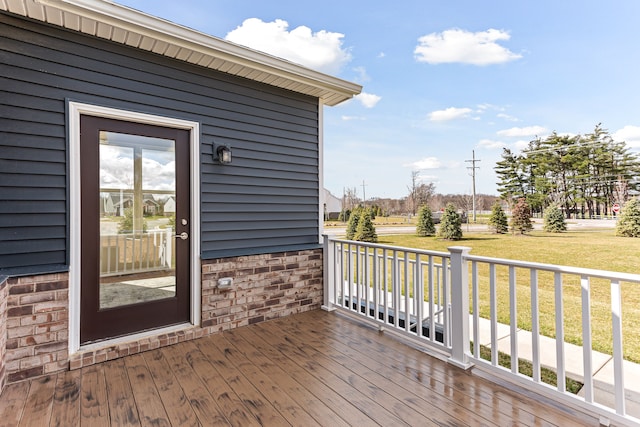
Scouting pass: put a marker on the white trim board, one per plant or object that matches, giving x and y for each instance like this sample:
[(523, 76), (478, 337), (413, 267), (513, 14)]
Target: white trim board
[(75, 110)]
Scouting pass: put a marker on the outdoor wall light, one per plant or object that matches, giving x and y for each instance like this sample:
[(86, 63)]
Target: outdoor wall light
[(222, 153)]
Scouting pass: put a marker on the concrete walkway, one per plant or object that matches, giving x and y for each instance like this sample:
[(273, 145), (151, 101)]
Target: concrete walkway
[(574, 365)]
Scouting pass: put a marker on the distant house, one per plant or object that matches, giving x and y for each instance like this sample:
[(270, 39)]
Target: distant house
[(332, 205), (95, 95)]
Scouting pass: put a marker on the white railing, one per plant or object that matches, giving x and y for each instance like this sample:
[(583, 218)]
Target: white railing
[(469, 301), (136, 252)]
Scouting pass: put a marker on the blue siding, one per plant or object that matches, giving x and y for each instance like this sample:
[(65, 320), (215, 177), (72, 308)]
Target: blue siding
[(266, 201)]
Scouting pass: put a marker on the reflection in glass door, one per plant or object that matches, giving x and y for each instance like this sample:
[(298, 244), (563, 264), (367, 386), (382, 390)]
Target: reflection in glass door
[(134, 231), (137, 193)]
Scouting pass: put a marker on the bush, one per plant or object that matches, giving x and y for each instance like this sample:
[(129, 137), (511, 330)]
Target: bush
[(425, 225), (352, 225), (366, 232), (628, 224), (521, 217), (450, 224), (498, 222), (126, 223), (554, 220)]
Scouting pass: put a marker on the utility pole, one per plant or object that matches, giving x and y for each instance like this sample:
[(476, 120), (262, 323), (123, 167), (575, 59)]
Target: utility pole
[(473, 168), (364, 194)]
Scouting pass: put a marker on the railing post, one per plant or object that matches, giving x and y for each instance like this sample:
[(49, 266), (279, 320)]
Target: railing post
[(328, 274), (459, 307)]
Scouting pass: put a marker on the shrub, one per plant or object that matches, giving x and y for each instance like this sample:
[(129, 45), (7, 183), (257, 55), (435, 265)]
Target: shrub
[(554, 220), (450, 224), (521, 217), (498, 222), (366, 232), (352, 225), (126, 223), (425, 225), (628, 224)]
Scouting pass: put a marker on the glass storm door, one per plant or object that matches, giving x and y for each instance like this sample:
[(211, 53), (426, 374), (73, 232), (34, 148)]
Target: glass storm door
[(134, 227)]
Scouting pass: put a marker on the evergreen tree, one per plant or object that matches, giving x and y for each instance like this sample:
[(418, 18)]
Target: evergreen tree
[(126, 223), (425, 225), (352, 225), (450, 224), (498, 222), (628, 224), (554, 220), (521, 217), (366, 232)]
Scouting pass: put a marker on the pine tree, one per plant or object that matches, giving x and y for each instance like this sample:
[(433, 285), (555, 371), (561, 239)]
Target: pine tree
[(498, 222), (125, 225), (628, 224), (425, 225), (366, 231), (521, 217), (450, 224), (554, 220), (352, 225)]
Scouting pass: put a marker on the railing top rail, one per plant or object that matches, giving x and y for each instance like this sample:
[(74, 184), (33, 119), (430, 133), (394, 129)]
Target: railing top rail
[(393, 248), (603, 274)]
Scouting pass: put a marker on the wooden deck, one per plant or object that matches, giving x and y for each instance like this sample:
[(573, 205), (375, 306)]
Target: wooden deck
[(315, 368)]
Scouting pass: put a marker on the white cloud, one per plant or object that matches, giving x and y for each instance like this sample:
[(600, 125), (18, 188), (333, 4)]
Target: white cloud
[(349, 118), (450, 113), (381, 55), (628, 134), (426, 163), (523, 131), (368, 100), (520, 145), (321, 51), (362, 74), (507, 117), (490, 144), (465, 47)]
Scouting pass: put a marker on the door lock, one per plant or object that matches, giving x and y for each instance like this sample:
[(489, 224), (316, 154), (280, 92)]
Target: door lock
[(183, 236)]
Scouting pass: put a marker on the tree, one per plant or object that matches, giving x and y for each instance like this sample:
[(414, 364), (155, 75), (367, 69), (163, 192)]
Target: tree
[(126, 223), (554, 220), (419, 193), (521, 217), (366, 231), (425, 225), (450, 224), (352, 225), (498, 222), (628, 224)]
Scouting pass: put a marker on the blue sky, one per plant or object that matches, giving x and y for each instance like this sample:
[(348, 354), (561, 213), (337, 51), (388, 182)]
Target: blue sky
[(443, 78)]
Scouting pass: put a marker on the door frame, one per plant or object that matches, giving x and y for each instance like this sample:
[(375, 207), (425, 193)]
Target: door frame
[(74, 111)]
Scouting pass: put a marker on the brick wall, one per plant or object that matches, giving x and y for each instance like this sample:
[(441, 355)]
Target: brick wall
[(3, 330), (37, 326), (264, 287)]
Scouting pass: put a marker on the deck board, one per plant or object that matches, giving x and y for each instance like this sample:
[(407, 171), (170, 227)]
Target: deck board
[(314, 368)]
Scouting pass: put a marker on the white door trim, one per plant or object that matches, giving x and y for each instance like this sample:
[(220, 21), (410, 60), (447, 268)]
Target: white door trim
[(75, 110)]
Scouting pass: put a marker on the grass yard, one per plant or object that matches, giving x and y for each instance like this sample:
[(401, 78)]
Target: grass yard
[(597, 249)]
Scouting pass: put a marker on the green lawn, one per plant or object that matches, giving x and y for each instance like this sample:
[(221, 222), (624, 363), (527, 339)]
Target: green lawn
[(597, 249)]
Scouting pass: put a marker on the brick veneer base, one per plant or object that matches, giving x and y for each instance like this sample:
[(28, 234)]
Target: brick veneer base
[(34, 337), (4, 291)]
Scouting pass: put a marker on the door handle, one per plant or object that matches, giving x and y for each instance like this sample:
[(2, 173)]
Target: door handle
[(183, 235)]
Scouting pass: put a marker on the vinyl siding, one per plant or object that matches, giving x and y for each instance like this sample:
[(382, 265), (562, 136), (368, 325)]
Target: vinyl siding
[(265, 201)]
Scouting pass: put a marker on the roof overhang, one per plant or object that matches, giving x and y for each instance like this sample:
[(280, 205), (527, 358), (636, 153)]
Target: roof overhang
[(120, 24)]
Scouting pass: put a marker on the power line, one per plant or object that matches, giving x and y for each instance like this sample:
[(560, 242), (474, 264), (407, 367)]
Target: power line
[(473, 168)]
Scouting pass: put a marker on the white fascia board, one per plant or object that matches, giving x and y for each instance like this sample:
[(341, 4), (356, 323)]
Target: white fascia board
[(336, 89)]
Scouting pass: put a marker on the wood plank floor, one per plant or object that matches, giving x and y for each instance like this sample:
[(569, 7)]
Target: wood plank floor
[(312, 369)]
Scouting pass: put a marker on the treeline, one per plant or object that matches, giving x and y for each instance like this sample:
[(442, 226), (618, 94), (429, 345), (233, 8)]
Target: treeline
[(583, 174), (436, 202)]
